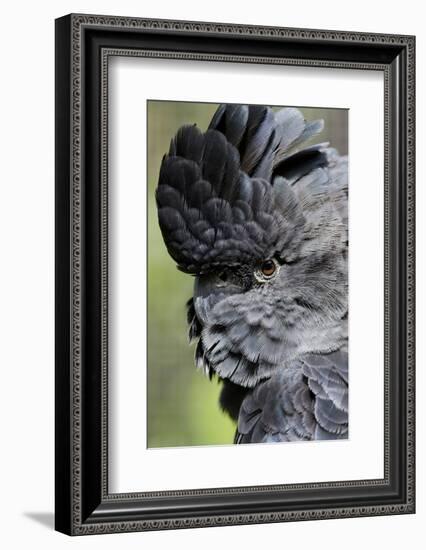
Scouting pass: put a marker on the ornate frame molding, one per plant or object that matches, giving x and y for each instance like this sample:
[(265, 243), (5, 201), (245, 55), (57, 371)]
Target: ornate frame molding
[(85, 507)]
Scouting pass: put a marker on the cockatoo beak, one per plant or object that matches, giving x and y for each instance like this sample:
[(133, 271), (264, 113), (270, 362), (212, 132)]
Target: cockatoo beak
[(208, 291)]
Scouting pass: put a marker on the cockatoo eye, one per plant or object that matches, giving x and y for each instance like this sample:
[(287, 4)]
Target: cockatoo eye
[(267, 270)]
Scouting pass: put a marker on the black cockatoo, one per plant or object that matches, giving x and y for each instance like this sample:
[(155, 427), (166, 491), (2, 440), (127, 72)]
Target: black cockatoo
[(261, 222)]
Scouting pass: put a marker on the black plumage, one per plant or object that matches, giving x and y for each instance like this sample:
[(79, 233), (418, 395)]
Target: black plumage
[(243, 193), (307, 401)]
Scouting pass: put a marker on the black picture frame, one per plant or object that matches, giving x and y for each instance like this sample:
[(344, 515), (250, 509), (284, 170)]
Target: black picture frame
[(83, 45)]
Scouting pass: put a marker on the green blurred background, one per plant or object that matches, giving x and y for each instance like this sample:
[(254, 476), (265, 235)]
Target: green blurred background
[(182, 403)]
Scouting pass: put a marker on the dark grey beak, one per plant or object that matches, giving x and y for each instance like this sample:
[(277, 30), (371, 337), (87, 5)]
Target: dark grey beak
[(208, 291)]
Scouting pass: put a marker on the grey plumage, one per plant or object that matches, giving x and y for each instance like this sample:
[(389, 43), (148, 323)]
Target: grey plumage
[(307, 401), (243, 193)]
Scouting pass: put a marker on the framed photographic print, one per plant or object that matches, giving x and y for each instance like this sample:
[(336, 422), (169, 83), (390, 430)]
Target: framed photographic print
[(234, 274)]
